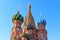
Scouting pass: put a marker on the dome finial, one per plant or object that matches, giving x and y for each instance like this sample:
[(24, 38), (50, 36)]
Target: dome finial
[(29, 10), (29, 1), (41, 15), (42, 21), (18, 7), (29, 7)]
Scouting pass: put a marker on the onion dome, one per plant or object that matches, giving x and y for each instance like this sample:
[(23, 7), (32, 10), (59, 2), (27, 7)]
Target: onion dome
[(42, 22), (30, 27), (17, 16), (24, 35)]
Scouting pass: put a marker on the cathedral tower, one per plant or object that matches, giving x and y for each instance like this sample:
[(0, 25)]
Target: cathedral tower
[(29, 21), (17, 20), (42, 32)]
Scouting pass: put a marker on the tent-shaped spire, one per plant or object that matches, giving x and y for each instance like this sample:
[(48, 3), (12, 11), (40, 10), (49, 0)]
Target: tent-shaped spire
[(29, 11)]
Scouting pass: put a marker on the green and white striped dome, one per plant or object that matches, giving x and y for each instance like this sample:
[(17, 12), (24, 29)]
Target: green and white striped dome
[(17, 16)]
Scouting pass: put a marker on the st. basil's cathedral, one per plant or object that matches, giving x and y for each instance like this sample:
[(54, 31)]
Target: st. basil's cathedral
[(29, 31)]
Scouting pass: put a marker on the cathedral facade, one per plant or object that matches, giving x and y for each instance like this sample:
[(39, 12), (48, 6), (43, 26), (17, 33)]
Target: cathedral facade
[(29, 31)]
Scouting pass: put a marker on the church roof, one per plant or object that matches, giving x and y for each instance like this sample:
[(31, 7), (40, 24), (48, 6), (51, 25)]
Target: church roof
[(17, 16), (42, 22)]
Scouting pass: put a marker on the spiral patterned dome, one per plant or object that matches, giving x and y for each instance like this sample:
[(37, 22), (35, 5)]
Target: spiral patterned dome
[(17, 16)]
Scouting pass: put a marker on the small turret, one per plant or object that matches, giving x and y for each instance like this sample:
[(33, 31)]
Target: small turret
[(42, 32)]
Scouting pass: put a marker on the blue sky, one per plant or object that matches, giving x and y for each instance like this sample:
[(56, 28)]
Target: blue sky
[(49, 8)]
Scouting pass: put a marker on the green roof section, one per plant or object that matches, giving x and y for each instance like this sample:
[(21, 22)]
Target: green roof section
[(24, 35), (17, 16)]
